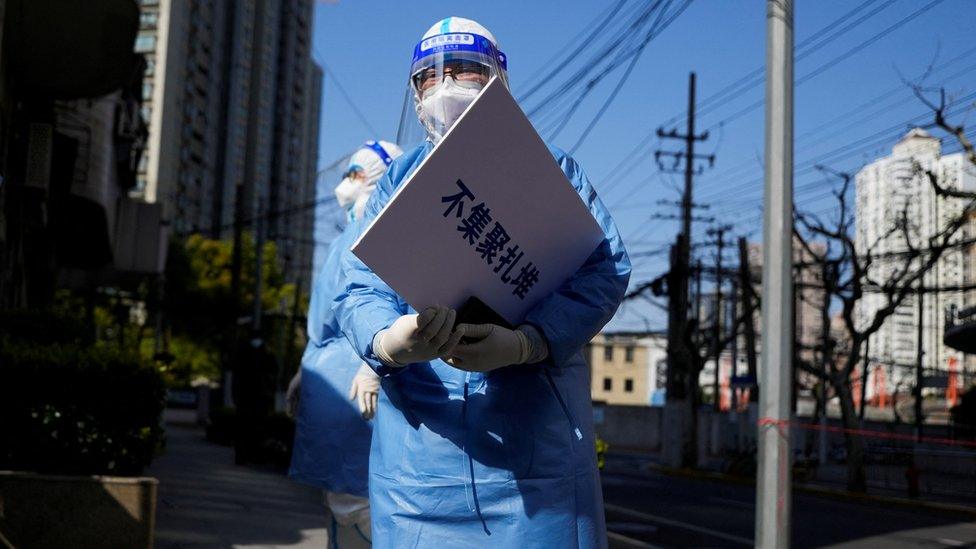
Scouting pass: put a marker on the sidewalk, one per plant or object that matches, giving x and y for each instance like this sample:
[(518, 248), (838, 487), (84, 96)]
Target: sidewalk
[(207, 501)]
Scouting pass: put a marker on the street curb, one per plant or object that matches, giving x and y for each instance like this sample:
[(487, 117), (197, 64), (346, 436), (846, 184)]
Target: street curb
[(836, 493)]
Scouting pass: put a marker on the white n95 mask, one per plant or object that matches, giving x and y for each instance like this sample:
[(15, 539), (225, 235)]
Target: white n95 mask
[(443, 104), (346, 192)]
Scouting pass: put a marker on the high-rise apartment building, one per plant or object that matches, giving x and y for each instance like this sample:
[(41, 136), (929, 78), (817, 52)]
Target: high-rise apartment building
[(887, 189), (232, 103)]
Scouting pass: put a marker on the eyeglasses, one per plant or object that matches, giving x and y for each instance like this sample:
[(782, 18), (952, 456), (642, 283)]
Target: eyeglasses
[(463, 71)]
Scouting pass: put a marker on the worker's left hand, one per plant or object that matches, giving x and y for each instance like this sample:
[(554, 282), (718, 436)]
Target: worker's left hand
[(293, 394), (489, 347), (365, 390)]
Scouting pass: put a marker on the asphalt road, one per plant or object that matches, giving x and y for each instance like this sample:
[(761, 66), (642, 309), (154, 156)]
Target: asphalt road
[(659, 510)]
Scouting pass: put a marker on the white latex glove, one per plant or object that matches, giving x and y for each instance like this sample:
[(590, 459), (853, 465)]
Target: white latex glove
[(418, 338), (365, 390), (293, 394), (492, 348)]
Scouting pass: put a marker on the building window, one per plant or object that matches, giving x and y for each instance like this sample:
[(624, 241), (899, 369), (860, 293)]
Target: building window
[(629, 353), (628, 385), (145, 43), (147, 19), (607, 384), (608, 352)]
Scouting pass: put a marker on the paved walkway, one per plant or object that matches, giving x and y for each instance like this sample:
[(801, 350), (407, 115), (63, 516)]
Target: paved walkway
[(207, 501)]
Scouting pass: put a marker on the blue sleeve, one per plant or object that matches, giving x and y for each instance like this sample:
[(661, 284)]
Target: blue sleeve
[(365, 305), (578, 310)]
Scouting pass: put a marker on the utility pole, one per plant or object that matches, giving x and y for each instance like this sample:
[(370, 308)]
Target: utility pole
[(919, 356), (734, 305), (748, 302), (698, 294), (773, 498), (679, 410), (719, 234)]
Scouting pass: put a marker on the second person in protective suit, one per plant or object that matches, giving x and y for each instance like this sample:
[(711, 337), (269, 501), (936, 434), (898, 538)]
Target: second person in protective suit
[(334, 392), (487, 441)]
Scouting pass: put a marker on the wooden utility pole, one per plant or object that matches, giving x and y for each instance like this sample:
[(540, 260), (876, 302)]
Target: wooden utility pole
[(734, 371), (719, 234), (748, 311), (679, 440)]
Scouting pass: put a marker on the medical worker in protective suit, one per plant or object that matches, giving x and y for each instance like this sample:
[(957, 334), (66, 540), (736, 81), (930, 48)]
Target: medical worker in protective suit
[(334, 392), (486, 440)]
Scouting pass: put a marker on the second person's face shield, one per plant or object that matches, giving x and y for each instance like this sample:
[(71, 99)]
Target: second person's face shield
[(447, 72)]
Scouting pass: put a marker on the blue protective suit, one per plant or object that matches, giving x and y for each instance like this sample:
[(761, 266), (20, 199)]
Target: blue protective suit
[(505, 459), (331, 449)]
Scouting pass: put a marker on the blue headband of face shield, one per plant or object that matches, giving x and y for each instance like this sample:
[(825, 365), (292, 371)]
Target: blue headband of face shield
[(378, 149), (456, 42)]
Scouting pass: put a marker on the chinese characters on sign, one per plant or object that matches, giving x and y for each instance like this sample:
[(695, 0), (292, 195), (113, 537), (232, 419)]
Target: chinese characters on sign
[(491, 241)]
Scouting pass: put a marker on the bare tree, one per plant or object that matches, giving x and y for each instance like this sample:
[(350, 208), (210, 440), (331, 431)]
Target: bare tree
[(847, 275), (699, 346)]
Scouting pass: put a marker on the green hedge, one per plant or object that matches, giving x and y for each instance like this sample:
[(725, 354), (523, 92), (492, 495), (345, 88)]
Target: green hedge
[(70, 409)]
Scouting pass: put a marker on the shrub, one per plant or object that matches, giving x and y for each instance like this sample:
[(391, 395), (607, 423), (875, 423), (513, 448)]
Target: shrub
[(69, 409), (43, 327)]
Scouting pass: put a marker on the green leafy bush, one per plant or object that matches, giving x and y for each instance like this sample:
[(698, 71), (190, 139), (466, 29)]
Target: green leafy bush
[(42, 327), (70, 409)]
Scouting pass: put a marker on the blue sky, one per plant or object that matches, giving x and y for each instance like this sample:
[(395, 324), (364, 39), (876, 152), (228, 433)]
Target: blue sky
[(854, 109)]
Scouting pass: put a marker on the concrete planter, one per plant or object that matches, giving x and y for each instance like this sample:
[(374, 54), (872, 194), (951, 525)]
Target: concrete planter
[(76, 511)]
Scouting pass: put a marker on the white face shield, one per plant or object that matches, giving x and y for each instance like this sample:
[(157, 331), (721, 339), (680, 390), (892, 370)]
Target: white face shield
[(449, 69)]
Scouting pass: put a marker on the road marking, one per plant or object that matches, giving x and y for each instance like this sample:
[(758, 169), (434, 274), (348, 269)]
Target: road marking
[(951, 542), (735, 502), (678, 524), (630, 542)]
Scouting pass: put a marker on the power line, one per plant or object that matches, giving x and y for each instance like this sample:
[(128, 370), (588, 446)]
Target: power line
[(636, 155), (596, 26), (602, 63), (844, 151), (553, 112), (833, 62), (755, 76), (736, 171), (626, 75)]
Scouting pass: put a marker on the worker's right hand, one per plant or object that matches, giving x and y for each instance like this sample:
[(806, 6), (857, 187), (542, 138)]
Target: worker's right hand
[(418, 338)]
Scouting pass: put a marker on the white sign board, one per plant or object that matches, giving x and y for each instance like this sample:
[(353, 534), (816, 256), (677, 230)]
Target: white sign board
[(489, 213)]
